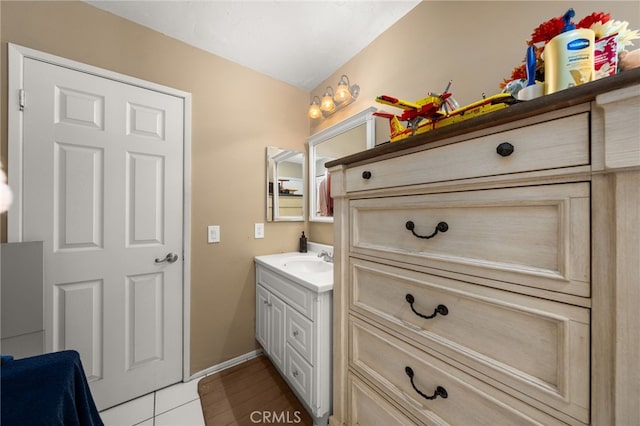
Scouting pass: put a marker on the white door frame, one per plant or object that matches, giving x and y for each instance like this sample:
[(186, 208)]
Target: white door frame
[(17, 54)]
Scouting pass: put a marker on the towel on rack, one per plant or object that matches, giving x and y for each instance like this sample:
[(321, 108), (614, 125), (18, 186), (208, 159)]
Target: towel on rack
[(325, 201), (49, 389)]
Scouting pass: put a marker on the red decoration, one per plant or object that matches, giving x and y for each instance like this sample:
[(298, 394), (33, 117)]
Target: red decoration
[(547, 30), (588, 21), (543, 34)]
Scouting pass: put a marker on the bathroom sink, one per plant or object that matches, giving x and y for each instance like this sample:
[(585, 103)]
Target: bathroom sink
[(306, 264), (306, 269)]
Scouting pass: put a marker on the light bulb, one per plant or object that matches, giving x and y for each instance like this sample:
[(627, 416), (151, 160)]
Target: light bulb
[(342, 91), (314, 111), (327, 103), (314, 108)]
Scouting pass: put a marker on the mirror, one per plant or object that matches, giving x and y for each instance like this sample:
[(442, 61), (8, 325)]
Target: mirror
[(285, 185), (351, 135)]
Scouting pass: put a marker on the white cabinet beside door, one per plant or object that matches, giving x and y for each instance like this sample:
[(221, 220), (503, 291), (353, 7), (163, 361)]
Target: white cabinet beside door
[(262, 317), (293, 325), (270, 325)]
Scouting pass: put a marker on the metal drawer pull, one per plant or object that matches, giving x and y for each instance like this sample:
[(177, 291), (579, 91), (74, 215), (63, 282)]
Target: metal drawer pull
[(295, 333), (440, 227), (440, 391), (505, 149), (440, 309), (295, 373), (366, 174)]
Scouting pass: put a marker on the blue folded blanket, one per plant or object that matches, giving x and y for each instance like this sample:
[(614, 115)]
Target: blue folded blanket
[(49, 389)]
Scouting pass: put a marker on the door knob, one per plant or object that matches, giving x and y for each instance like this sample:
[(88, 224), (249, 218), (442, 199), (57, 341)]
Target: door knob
[(169, 258)]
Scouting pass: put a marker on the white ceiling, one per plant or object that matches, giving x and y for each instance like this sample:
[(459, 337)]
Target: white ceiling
[(299, 42)]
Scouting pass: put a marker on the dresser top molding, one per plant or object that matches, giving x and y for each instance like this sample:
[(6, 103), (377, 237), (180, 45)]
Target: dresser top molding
[(560, 100)]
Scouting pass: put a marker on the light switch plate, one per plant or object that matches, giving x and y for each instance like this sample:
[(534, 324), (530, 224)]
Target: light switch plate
[(259, 230), (213, 234)]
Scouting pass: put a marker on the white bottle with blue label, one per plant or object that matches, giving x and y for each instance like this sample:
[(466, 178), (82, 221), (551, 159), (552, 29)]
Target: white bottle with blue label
[(568, 57)]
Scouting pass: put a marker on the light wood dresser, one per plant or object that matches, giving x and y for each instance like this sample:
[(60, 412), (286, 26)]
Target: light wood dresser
[(488, 273)]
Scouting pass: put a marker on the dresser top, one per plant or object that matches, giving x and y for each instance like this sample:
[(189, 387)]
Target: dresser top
[(559, 100)]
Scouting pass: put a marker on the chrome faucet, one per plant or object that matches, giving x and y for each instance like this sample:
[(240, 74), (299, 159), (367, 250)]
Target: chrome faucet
[(326, 256)]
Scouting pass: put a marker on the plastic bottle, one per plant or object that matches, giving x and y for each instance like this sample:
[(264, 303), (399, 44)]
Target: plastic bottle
[(568, 57), (303, 243)]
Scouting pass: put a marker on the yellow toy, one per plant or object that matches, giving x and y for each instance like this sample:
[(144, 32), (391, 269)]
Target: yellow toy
[(435, 111)]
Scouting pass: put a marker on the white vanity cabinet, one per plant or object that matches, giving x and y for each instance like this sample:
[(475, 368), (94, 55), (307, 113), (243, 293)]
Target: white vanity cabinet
[(293, 325), (270, 311)]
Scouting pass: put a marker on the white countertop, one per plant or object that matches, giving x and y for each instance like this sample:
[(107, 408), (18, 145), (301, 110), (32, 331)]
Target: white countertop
[(318, 282)]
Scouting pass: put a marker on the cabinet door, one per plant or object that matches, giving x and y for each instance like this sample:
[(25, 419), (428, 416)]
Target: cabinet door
[(276, 335), (262, 317)]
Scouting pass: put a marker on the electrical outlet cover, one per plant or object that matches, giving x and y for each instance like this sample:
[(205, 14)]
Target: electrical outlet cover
[(259, 230), (213, 234)]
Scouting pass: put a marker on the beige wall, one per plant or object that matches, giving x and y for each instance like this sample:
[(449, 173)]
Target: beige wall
[(474, 43), (236, 114)]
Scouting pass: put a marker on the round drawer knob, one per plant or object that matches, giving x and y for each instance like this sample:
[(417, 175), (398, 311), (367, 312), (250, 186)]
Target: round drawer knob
[(366, 174), (505, 149)]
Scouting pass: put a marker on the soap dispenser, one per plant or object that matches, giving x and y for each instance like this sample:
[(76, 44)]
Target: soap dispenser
[(568, 57), (303, 243)]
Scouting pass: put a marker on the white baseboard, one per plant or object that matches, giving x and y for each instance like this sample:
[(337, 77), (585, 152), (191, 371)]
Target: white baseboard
[(227, 364)]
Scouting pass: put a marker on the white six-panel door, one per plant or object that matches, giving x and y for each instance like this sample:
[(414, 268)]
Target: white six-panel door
[(103, 188)]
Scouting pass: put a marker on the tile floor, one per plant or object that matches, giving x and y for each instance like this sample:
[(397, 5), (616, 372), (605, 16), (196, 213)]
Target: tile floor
[(177, 405)]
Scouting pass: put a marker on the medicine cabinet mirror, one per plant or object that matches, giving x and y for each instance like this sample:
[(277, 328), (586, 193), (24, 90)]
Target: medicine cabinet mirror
[(351, 135), (285, 185)]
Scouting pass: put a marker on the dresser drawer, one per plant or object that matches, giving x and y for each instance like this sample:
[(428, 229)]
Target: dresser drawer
[(300, 334), (553, 144), (367, 408), (384, 360), (534, 347), (534, 236)]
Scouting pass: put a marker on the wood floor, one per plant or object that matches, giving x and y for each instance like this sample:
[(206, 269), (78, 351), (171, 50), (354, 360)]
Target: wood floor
[(251, 393)]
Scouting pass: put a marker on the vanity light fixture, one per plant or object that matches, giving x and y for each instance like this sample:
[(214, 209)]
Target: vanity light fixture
[(331, 102)]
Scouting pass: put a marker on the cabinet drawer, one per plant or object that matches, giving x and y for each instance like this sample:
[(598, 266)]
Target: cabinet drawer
[(367, 408), (383, 360), (553, 144), (299, 374), (535, 347), (534, 236), (291, 293), (300, 334)]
